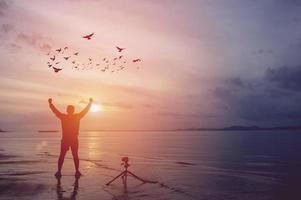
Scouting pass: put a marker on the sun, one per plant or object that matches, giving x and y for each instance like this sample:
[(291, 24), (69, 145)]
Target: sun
[(95, 108)]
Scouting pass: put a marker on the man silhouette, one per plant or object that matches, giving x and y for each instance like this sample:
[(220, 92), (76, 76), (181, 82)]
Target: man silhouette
[(70, 127)]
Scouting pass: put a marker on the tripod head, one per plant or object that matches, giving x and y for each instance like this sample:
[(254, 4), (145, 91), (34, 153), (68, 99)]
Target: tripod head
[(124, 162)]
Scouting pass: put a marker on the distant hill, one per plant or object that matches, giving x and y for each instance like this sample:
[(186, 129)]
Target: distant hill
[(242, 128), (263, 128), (245, 128)]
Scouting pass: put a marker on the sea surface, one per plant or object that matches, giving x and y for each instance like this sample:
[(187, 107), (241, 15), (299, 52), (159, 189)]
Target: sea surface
[(201, 165)]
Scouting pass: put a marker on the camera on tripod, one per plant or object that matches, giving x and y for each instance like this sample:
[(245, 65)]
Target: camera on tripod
[(126, 172)]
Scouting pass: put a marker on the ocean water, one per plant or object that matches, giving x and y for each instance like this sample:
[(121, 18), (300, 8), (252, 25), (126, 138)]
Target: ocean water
[(242, 165)]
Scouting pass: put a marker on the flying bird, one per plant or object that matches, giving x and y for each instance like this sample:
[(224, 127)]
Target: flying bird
[(90, 59), (137, 60), (66, 58), (53, 58), (88, 37), (49, 65), (59, 50), (76, 53), (115, 59), (56, 70), (65, 49), (73, 62), (57, 63), (104, 59), (120, 57), (119, 49)]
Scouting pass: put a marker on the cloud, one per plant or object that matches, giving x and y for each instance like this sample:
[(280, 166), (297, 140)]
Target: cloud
[(297, 20), (118, 105), (263, 52), (272, 99), (14, 47), (176, 114), (112, 104), (222, 92), (235, 81), (3, 6), (45, 47), (285, 77), (36, 41), (6, 28), (7, 31), (28, 39), (185, 115), (258, 108), (291, 2), (147, 105)]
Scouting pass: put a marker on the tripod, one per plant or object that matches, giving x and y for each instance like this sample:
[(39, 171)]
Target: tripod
[(126, 172)]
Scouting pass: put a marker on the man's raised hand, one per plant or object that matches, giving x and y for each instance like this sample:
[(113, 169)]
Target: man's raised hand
[(91, 100), (50, 100)]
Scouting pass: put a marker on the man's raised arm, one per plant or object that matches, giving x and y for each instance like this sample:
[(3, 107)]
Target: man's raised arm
[(54, 109), (86, 109)]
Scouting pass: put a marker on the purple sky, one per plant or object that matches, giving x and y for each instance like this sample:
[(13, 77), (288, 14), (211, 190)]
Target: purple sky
[(206, 63)]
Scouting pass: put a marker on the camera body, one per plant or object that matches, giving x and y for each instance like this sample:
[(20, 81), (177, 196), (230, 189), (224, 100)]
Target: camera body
[(125, 161)]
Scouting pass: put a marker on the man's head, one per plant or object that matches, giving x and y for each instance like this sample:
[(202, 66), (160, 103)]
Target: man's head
[(70, 109)]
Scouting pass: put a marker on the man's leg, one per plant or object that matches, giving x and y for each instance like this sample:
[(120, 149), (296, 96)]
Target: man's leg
[(64, 149), (74, 149)]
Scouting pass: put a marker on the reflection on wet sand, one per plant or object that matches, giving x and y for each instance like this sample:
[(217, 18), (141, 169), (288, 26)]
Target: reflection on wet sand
[(60, 191), (124, 195)]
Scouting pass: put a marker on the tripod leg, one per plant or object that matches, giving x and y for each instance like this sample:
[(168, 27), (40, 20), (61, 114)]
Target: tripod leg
[(140, 179), (115, 178), (125, 178)]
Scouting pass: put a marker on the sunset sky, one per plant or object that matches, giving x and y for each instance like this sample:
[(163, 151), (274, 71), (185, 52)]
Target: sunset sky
[(205, 63)]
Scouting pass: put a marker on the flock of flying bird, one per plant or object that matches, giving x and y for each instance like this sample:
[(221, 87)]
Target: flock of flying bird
[(62, 56)]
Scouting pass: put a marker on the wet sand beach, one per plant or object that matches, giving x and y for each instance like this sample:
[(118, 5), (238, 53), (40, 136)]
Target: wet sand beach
[(186, 165)]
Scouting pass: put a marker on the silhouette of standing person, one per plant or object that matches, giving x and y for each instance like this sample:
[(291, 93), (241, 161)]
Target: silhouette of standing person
[(70, 128)]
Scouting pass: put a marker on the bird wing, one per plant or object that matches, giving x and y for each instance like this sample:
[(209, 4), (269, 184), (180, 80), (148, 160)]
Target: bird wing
[(57, 69), (88, 36)]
